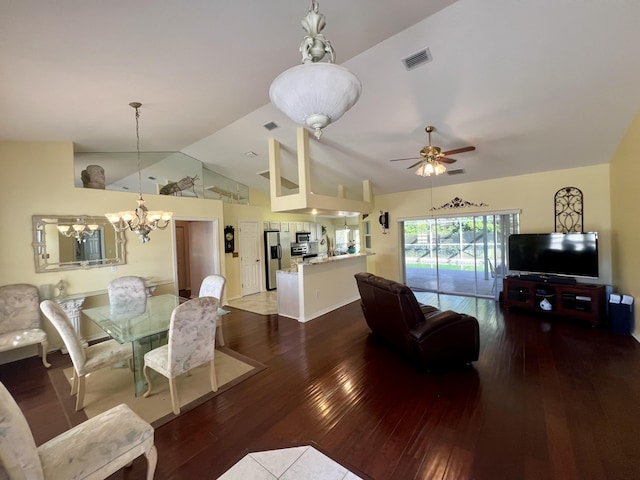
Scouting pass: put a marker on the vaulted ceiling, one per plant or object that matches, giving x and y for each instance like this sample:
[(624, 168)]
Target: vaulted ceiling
[(534, 86)]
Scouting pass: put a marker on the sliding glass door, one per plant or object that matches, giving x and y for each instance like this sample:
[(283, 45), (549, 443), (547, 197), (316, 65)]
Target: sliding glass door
[(463, 255)]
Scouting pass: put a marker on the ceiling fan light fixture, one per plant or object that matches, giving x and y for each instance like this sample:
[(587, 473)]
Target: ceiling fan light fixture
[(315, 94), (430, 167), (432, 158)]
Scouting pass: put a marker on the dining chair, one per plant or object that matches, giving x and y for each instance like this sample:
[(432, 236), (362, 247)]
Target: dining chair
[(127, 296), (192, 332), (20, 319), (85, 360), (213, 286), (94, 449)]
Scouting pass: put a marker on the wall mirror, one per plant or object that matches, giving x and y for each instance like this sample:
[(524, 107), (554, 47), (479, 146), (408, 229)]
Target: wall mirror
[(74, 242)]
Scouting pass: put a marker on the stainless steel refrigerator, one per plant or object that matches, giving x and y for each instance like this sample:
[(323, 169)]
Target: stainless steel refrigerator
[(277, 247)]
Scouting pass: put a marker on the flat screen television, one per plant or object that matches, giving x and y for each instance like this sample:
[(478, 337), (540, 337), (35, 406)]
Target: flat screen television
[(564, 254)]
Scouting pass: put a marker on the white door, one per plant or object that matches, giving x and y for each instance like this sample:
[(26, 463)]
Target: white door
[(250, 264)]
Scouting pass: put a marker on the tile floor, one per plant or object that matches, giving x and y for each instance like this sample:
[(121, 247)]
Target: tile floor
[(297, 463), (263, 303)]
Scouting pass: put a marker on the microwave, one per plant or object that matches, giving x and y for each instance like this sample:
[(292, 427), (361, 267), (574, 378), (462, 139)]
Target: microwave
[(302, 237)]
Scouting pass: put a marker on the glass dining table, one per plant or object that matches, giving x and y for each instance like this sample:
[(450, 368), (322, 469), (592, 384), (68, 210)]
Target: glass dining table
[(145, 331)]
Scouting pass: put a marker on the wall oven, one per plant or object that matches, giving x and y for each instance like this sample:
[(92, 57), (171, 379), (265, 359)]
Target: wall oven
[(299, 249)]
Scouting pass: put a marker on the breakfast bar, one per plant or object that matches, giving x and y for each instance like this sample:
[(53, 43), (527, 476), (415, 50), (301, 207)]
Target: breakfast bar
[(319, 285)]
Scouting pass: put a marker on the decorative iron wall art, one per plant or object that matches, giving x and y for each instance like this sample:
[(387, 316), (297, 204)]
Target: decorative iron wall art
[(568, 202), (457, 202)]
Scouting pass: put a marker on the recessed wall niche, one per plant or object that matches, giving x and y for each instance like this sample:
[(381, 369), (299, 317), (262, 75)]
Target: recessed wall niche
[(179, 174)]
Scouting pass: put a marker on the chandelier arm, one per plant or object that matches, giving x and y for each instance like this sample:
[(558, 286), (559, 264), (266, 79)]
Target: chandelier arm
[(138, 220)]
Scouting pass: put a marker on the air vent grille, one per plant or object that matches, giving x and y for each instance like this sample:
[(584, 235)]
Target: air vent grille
[(417, 59), (271, 125), (458, 171)]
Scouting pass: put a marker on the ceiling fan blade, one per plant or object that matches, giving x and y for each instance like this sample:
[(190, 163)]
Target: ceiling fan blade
[(399, 159), (447, 160), (414, 165), (459, 150)]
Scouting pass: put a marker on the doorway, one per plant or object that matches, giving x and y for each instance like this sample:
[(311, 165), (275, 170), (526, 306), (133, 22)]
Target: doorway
[(250, 264), (461, 255), (196, 255)]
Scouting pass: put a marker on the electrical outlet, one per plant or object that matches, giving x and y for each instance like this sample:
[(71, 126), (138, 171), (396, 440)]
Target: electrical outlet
[(317, 293), (114, 268)]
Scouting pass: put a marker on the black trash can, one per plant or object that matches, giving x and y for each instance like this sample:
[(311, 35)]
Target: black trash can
[(621, 318)]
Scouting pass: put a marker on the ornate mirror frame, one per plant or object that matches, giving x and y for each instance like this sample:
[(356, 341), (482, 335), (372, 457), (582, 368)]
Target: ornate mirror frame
[(54, 251)]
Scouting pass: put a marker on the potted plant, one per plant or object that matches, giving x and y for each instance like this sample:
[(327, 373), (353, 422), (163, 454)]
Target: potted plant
[(351, 248)]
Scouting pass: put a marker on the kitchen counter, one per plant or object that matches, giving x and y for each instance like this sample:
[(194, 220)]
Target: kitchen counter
[(336, 258), (319, 285)]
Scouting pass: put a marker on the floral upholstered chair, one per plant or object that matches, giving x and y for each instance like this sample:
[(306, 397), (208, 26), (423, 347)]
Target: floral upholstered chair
[(94, 449), (192, 336), (213, 286), (85, 360), (20, 319), (127, 297)]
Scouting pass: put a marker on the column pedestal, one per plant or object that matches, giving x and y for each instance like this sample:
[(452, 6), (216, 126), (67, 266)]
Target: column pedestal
[(72, 307)]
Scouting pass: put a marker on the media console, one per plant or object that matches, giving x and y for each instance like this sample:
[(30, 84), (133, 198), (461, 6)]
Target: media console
[(580, 301)]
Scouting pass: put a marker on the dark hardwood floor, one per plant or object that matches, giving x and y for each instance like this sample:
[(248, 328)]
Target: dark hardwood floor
[(547, 400)]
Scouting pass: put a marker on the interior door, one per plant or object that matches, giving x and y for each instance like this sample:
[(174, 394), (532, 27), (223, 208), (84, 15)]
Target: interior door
[(91, 249), (250, 264), (182, 255)]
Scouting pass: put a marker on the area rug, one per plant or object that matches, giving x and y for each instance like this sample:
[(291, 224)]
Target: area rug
[(109, 387)]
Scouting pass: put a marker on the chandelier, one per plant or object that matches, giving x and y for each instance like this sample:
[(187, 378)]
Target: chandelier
[(80, 231), (315, 94), (140, 221)]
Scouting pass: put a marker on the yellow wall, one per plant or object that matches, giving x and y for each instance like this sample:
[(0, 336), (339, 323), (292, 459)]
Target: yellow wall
[(39, 180), (533, 195), (233, 215), (625, 199)]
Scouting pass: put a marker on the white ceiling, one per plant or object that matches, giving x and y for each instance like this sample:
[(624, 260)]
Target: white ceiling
[(534, 86)]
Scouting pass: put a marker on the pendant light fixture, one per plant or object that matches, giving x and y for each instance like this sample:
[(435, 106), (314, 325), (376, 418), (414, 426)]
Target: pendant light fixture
[(140, 221), (315, 94)]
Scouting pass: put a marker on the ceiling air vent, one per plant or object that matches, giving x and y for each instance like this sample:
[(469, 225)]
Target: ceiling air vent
[(417, 59), (455, 172), (270, 125)]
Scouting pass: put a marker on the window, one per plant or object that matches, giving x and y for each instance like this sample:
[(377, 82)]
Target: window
[(367, 234), (457, 255), (342, 241)]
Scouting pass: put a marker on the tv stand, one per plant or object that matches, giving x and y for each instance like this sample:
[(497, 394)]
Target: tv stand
[(580, 301)]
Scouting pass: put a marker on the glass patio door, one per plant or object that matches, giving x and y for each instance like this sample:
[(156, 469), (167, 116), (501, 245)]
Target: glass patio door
[(463, 255)]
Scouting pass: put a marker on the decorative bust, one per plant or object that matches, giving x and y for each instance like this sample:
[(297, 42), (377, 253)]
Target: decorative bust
[(93, 177)]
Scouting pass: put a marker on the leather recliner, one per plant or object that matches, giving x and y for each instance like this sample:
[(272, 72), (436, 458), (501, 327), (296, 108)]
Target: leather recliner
[(429, 337)]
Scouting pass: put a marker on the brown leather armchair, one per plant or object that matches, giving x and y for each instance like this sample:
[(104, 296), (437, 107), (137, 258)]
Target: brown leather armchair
[(426, 335)]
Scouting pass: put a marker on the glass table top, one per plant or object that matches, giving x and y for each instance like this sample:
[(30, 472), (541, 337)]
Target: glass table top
[(126, 327)]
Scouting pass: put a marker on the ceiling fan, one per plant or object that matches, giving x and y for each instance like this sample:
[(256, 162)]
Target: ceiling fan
[(432, 158)]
